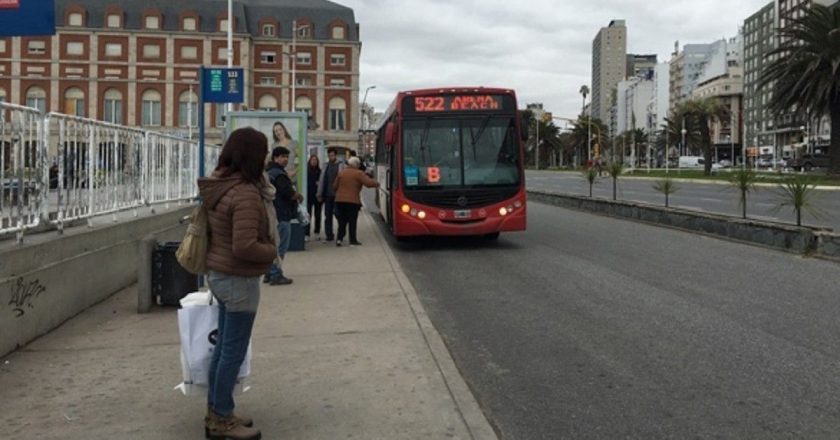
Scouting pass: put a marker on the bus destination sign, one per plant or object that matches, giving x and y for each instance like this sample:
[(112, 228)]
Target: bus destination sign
[(457, 103)]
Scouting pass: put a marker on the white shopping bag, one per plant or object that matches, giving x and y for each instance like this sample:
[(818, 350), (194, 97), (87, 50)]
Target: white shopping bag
[(197, 322)]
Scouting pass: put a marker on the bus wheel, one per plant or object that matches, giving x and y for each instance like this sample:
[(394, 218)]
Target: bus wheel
[(492, 236)]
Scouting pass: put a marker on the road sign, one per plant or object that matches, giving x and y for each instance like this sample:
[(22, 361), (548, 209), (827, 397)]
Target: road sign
[(27, 18), (222, 85)]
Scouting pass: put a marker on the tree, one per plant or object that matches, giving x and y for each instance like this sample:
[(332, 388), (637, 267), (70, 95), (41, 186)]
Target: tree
[(804, 71), (744, 180), (666, 186), (591, 177), (798, 192), (615, 169), (701, 113)]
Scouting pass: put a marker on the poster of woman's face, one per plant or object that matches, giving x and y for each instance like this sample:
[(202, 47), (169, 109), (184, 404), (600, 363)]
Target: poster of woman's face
[(282, 130)]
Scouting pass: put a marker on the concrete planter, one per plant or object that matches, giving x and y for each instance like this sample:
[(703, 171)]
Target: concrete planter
[(801, 240)]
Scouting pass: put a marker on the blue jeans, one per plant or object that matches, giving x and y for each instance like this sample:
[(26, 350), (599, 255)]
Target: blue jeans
[(284, 231), (238, 300)]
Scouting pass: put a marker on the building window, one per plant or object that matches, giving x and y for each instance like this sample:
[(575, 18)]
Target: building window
[(189, 52), (37, 47), (267, 103), (303, 104), (188, 109), (189, 24), (151, 51), (337, 82), (338, 33), (338, 110), (304, 58), (268, 30), (36, 97), (223, 25), (337, 60), (113, 50), (112, 111), (268, 57), (74, 102), (152, 22), (222, 53), (114, 21), (304, 31), (151, 109), (268, 81), (303, 81), (76, 19), (2, 46), (2, 94), (75, 48)]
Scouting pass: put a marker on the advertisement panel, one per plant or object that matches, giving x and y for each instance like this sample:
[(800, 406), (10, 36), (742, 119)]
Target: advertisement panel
[(27, 18)]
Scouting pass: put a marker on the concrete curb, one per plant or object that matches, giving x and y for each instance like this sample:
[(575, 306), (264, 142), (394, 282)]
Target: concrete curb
[(470, 412), (800, 240)]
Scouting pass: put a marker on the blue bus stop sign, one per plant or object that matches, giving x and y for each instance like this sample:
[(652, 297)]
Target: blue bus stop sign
[(27, 18), (222, 85)]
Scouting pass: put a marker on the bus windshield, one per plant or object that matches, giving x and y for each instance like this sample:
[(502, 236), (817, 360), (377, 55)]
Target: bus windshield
[(462, 152)]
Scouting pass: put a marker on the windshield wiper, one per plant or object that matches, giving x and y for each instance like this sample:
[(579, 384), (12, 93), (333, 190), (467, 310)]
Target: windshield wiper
[(423, 140), (479, 134)]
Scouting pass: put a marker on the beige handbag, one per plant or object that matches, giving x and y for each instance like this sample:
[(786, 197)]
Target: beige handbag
[(192, 253)]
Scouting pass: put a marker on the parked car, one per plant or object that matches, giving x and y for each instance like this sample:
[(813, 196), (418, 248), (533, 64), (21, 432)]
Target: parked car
[(810, 161)]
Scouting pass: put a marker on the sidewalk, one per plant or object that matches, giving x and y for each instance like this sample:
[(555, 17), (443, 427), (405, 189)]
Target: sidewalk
[(346, 352)]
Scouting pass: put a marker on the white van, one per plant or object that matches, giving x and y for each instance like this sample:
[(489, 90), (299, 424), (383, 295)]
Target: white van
[(692, 162)]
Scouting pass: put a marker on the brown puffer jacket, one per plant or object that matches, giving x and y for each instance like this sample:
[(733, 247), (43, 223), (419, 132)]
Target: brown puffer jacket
[(240, 243)]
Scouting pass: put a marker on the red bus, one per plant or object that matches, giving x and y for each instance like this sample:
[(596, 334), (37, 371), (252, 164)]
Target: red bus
[(450, 162)]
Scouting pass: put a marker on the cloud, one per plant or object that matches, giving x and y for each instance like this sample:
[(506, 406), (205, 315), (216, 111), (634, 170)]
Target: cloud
[(542, 48)]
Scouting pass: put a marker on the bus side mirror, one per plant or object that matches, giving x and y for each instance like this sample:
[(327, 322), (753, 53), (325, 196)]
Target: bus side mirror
[(523, 128), (390, 134)]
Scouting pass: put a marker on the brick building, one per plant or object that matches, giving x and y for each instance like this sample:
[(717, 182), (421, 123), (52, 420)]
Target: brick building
[(135, 62)]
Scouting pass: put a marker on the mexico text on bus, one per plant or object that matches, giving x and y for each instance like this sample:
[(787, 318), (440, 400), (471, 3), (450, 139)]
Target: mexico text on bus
[(450, 162)]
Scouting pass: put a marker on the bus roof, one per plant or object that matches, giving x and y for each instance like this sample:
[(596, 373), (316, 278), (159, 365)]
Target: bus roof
[(439, 91)]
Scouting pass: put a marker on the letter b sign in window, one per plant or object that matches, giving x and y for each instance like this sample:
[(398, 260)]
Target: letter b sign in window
[(433, 174)]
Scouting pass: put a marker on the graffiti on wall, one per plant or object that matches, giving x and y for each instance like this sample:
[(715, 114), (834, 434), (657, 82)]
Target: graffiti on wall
[(23, 294)]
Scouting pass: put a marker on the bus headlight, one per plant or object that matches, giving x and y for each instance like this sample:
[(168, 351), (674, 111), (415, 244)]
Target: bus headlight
[(414, 213), (517, 204), (503, 211), (406, 209), (421, 215)]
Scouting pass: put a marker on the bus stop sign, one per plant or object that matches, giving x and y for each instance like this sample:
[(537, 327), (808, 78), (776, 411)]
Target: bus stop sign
[(222, 85), (20, 18)]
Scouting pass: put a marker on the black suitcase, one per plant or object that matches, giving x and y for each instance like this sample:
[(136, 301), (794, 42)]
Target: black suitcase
[(170, 281)]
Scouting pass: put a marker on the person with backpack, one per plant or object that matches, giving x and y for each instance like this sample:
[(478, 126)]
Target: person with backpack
[(286, 202)]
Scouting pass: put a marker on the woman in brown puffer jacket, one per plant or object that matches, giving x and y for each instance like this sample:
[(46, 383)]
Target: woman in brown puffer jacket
[(241, 248), (348, 187)]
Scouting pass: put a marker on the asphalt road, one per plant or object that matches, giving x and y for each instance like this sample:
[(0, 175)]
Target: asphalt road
[(708, 197), (587, 327)]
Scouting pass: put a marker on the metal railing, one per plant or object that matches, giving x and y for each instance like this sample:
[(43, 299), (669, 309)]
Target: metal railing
[(56, 169)]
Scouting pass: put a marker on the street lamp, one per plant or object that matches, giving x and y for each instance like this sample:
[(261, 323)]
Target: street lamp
[(363, 126), (230, 44), (683, 149), (293, 60)]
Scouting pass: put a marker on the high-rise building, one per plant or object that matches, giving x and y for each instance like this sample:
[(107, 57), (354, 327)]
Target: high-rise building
[(609, 66), (640, 66), (136, 63), (779, 131), (686, 69)]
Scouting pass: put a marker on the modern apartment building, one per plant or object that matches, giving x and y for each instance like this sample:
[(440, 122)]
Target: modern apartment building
[(136, 62), (686, 69), (640, 65), (609, 66)]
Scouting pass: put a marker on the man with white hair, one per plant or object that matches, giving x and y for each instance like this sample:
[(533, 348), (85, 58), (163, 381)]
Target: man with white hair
[(348, 187)]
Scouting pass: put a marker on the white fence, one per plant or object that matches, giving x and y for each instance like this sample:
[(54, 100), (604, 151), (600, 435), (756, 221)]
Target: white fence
[(56, 169)]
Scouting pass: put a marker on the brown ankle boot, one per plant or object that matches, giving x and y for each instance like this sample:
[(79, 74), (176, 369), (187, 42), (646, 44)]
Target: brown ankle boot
[(228, 428), (243, 420)]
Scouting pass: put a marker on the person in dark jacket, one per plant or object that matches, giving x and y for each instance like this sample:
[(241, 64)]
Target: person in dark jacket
[(313, 206), (286, 200), (326, 191), (240, 248)]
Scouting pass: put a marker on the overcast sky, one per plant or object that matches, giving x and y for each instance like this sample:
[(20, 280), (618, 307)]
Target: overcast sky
[(540, 48)]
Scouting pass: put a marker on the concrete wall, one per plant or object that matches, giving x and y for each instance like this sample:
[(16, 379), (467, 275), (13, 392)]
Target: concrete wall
[(51, 279), (775, 235)]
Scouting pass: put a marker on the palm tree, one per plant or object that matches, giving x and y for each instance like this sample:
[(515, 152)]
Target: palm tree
[(666, 186), (615, 169), (702, 112), (591, 177), (744, 180), (805, 74), (798, 192)]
